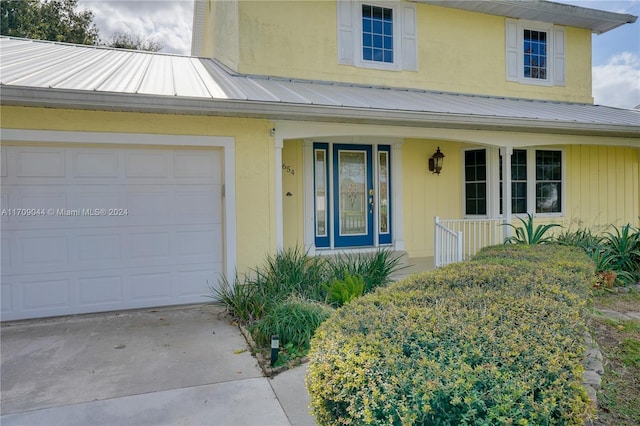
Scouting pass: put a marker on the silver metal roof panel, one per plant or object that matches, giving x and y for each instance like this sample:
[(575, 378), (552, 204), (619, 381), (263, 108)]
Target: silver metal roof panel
[(86, 76), (598, 21)]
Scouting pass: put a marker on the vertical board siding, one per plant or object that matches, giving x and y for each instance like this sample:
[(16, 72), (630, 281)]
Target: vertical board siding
[(602, 186)]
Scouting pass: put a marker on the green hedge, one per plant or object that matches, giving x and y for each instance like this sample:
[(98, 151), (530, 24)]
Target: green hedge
[(496, 340)]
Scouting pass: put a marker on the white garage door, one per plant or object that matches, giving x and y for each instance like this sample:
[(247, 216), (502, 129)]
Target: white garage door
[(98, 229)]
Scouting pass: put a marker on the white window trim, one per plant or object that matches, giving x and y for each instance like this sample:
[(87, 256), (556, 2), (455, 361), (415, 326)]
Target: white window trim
[(405, 50), (515, 52), (493, 183)]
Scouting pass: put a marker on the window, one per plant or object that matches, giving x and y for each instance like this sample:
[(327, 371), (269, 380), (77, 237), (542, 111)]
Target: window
[(380, 36), (475, 182), (377, 34), (548, 181), (535, 53), (537, 182), (518, 181)]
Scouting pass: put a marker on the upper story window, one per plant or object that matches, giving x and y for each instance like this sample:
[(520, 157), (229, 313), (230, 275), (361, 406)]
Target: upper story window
[(535, 53), (377, 35)]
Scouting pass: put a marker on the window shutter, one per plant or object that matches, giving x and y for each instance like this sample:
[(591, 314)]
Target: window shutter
[(346, 32), (558, 57), (409, 38), (512, 49)]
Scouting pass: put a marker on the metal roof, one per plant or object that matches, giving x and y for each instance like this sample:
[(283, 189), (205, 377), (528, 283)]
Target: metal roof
[(598, 21), (74, 76)]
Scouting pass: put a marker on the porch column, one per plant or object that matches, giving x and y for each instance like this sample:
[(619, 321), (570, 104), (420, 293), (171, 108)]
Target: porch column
[(506, 153), (279, 143), (396, 179)]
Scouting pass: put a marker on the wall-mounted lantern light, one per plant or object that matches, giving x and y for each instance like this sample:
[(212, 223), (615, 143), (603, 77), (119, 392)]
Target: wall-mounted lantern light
[(435, 162)]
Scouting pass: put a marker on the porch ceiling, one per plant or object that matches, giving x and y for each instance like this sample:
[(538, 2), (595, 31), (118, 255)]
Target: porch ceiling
[(40, 73)]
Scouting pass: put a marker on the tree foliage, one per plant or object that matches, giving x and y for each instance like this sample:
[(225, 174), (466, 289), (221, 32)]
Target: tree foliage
[(133, 41), (60, 20), (54, 20)]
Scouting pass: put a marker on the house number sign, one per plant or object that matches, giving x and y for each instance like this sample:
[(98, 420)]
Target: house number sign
[(288, 169)]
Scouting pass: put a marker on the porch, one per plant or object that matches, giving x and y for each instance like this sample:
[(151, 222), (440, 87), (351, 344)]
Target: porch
[(455, 240)]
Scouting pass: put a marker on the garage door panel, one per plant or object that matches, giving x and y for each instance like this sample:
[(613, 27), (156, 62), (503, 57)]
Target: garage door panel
[(103, 248), (199, 245), (198, 165), (190, 205), (37, 250), (150, 286), (195, 284), (162, 251), (33, 162), (5, 252), (95, 163), (149, 244), (6, 296), (3, 161), (46, 293), (101, 290), (147, 164), (94, 197)]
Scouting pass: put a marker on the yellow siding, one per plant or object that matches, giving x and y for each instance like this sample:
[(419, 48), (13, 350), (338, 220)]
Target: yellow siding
[(458, 51), (293, 183), (254, 151), (426, 195), (602, 186)]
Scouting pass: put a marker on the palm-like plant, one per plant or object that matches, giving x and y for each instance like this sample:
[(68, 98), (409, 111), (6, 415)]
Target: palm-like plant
[(623, 249), (527, 234)]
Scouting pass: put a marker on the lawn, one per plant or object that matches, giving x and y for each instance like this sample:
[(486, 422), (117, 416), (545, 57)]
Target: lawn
[(619, 340)]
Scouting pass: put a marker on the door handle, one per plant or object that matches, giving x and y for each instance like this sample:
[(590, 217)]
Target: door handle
[(371, 202)]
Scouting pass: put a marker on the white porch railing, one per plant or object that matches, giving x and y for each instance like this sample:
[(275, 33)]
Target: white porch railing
[(459, 239)]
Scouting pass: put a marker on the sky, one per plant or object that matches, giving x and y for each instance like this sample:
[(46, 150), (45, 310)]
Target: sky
[(616, 54)]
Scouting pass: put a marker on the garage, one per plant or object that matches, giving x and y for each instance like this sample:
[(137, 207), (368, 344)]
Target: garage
[(98, 227)]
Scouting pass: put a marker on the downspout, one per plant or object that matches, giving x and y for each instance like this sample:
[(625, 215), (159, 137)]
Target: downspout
[(506, 153)]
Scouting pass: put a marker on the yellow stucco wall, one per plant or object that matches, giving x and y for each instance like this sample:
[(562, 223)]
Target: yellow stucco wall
[(458, 51), (254, 150)]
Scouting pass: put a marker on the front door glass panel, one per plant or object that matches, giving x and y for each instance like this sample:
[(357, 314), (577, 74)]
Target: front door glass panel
[(353, 192)]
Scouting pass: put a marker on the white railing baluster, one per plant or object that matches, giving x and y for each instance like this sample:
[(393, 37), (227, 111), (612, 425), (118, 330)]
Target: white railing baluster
[(460, 239)]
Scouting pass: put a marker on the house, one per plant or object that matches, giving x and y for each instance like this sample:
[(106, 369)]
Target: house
[(134, 179)]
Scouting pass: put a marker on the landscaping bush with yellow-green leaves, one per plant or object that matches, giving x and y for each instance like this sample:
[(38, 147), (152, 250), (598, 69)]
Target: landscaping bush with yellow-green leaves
[(496, 340)]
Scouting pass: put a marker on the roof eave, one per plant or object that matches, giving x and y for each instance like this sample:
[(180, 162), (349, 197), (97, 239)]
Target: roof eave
[(598, 21), (105, 101)]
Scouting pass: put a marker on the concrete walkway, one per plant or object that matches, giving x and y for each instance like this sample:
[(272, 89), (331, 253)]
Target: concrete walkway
[(172, 366)]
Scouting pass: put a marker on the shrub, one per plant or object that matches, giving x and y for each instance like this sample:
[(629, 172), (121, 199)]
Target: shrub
[(289, 272), (344, 291), (615, 254), (293, 272), (526, 234), (496, 340), (375, 268), (294, 321), (623, 249)]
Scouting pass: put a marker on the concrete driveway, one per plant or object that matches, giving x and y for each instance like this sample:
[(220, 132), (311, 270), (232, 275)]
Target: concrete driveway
[(180, 365)]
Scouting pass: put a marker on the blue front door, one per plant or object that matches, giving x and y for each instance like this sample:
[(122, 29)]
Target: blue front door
[(353, 195)]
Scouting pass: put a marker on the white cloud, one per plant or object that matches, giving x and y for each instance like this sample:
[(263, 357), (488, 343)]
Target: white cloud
[(617, 83), (167, 22)]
